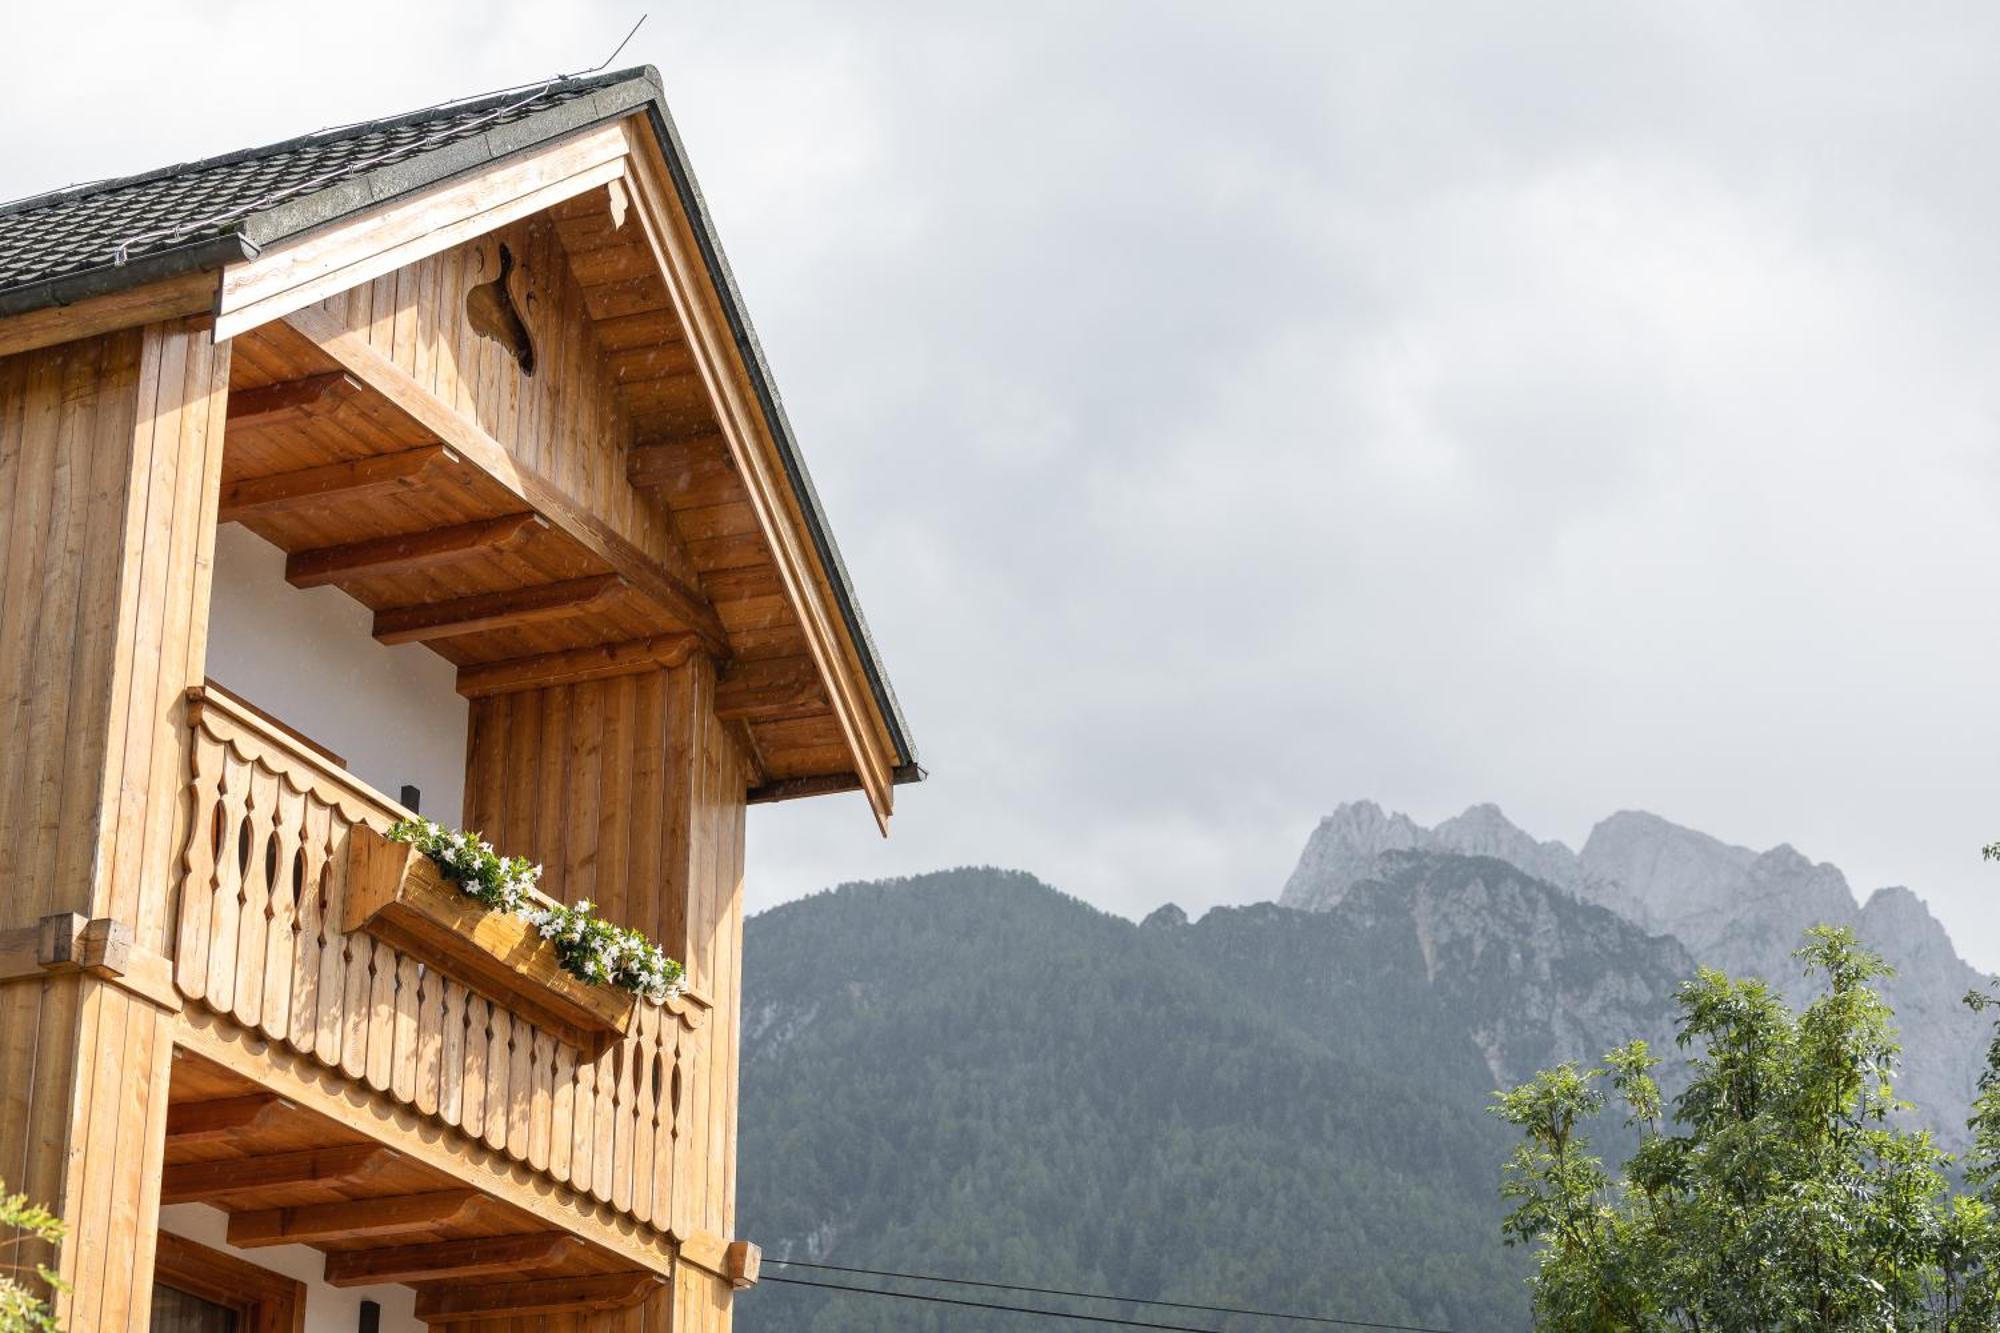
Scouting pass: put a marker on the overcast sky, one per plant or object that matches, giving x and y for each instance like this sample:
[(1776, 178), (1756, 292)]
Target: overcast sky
[(1229, 411)]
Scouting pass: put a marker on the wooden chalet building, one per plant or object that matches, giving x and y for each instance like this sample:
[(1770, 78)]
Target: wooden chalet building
[(427, 462)]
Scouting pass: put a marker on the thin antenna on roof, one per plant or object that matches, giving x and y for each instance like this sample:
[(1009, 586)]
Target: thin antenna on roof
[(620, 47)]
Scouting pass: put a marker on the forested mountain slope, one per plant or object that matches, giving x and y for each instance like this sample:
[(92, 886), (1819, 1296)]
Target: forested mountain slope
[(971, 1074)]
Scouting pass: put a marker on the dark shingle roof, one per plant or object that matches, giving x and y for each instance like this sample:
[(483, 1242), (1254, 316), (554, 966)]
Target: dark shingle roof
[(70, 244), (60, 246)]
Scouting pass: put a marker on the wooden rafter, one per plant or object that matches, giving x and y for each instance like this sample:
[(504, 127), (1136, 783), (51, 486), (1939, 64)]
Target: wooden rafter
[(225, 1117), (447, 1260), (559, 1295), (690, 470), (193, 1182), (597, 662), (672, 589), (793, 789), (408, 551), (354, 1219), (496, 610), (769, 689), (334, 481), (312, 395)]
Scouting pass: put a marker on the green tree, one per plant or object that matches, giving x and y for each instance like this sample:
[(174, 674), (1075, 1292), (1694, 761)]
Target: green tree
[(23, 1309), (1780, 1195)]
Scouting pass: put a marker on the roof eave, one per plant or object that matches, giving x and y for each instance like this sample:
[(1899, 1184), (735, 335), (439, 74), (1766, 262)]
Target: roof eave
[(201, 256), (906, 768)]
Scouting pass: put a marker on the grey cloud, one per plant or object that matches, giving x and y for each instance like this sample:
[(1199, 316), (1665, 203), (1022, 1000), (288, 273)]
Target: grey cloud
[(1231, 410)]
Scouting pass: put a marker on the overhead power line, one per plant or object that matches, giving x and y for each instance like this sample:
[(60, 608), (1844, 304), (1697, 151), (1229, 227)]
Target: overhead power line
[(1076, 1295), (989, 1305)]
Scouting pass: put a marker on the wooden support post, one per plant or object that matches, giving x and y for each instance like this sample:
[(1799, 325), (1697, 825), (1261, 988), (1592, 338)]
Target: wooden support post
[(414, 550), (331, 483), (496, 610), (110, 467)]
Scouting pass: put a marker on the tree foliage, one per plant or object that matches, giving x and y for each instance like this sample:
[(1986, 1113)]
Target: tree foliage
[(1783, 1192), (24, 1226)]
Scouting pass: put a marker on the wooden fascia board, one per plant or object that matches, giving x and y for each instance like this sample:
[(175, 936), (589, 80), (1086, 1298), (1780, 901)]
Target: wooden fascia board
[(755, 453), (295, 275), (350, 349), (171, 298)]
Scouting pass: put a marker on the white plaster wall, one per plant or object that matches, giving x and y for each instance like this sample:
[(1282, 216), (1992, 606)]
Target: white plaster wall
[(328, 1309), (306, 656)]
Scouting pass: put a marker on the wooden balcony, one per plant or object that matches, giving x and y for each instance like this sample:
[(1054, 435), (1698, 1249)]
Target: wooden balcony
[(281, 994)]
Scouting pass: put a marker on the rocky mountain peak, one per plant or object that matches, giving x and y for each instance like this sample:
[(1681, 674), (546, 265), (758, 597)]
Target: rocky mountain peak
[(1730, 907)]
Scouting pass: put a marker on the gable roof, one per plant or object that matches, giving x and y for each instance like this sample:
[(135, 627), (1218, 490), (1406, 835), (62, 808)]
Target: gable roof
[(107, 236)]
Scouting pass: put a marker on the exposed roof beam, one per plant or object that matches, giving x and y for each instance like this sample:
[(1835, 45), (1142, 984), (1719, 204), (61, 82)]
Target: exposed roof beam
[(597, 662), (485, 1256), (674, 589), (334, 481), (558, 1295), (311, 395), (769, 689), (353, 1219), (692, 470), (193, 1182), (224, 1117), (496, 610), (412, 550)]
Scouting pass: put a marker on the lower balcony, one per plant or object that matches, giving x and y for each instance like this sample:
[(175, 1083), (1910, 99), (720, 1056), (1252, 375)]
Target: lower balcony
[(355, 1091)]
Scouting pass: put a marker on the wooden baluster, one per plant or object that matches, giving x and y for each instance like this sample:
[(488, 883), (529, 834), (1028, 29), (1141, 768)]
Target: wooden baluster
[(542, 1110), (687, 1131), (602, 1161), (378, 1067), (635, 1064), (335, 958), (499, 1068), (226, 903), (288, 885), (430, 1040), (521, 1088), (198, 867), (583, 1123), (451, 1055), (313, 926), (357, 997), (562, 1115), (635, 1188), (478, 1043), (254, 924), (403, 1042)]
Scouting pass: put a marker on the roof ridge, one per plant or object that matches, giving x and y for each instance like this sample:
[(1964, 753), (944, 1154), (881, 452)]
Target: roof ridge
[(332, 133)]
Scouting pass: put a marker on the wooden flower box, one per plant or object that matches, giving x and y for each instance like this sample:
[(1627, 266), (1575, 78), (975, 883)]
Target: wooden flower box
[(398, 895)]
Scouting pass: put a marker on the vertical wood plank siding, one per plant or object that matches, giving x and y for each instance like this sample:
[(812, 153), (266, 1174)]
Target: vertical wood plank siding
[(110, 464), (630, 793)]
